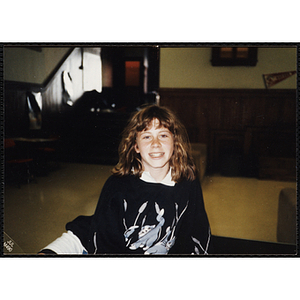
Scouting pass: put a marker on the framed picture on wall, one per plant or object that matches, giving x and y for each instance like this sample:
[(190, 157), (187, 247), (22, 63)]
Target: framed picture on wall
[(234, 56)]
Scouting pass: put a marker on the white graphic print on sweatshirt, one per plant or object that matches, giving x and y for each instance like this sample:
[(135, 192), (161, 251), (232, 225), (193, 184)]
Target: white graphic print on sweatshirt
[(150, 237)]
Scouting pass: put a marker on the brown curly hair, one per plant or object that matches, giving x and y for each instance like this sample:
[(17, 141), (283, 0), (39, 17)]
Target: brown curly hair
[(181, 161)]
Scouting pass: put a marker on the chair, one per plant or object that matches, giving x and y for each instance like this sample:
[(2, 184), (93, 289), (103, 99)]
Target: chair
[(287, 209), (18, 168)]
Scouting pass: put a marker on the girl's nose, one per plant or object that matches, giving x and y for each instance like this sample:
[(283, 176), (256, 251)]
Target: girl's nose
[(155, 142)]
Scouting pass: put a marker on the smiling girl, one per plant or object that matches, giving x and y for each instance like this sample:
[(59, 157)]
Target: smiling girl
[(152, 204)]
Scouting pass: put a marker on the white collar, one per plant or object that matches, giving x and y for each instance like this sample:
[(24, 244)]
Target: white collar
[(146, 176)]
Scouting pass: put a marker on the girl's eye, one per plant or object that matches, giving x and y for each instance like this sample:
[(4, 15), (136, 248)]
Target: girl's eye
[(146, 137)]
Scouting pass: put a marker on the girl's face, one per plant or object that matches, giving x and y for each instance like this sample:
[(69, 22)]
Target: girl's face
[(155, 145)]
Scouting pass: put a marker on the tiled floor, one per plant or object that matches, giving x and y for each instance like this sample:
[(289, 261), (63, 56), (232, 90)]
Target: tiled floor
[(36, 213)]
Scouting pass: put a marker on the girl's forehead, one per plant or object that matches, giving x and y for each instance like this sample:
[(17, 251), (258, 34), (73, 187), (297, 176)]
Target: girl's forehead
[(155, 124)]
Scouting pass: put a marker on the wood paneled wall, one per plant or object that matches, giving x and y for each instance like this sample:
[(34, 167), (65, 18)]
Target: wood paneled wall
[(204, 110), (245, 125)]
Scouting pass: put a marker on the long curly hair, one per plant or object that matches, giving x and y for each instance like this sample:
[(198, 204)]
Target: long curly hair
[(181, 161)]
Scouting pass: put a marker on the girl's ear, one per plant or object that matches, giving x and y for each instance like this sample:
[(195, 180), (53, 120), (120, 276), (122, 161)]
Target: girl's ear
[(136, 148)]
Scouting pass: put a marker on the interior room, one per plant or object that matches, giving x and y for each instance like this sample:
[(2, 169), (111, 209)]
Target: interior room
[(66, 107)]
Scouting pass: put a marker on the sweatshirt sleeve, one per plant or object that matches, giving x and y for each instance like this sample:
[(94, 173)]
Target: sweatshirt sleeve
[(200, 234), (102, 233), (107, 224)]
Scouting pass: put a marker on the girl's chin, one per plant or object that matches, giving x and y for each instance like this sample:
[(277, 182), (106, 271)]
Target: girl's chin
[(156, 167)]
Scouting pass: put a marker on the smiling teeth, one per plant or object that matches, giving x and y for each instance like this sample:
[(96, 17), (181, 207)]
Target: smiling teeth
[(156, 154)]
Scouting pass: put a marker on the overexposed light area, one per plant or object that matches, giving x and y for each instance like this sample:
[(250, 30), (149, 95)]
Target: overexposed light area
[(92, 74)]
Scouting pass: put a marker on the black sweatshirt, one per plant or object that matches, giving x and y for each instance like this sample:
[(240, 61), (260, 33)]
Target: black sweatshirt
[(137, 217)]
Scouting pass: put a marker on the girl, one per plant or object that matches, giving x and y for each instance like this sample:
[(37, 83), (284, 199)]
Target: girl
[(152, 204)]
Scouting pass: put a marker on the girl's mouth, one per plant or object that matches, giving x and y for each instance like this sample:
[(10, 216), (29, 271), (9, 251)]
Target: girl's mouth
[(156, 154)]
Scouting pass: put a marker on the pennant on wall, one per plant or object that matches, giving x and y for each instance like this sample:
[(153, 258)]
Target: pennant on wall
[(274, 78)]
